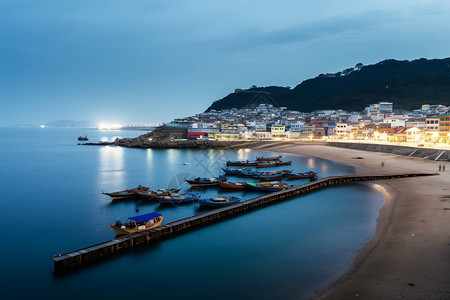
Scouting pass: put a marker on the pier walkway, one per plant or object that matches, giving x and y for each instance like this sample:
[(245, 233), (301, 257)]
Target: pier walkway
[(115, 246)]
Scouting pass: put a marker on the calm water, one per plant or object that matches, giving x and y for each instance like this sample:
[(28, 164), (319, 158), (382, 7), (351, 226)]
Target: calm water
[(51, 203)]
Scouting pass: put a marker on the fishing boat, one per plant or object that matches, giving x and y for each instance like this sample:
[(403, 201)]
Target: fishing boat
[(309, 174), (161, 192), (272, 186), (270, 177), (241, 163), (83, 138), (262, 158), (233, 185), (125, 194), (178, 198), (218, 201), (250, 173), (203, 182), (266, 164), (283, 163), (235, 172), (137, 223)]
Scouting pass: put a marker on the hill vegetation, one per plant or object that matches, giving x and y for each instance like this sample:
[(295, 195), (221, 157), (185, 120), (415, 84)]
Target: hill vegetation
[(408, 84)]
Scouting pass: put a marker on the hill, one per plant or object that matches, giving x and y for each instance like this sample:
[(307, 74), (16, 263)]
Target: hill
[(407, 84)]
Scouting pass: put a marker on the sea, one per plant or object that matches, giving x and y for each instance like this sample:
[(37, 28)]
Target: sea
[(52, 203)]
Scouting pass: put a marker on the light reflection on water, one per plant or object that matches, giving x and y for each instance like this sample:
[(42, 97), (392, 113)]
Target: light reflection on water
[(111, 166)]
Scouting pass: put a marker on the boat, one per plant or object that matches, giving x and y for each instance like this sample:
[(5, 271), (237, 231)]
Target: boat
[(272, 186), (270, 177), (83, 138), (137, 223), (161, 192), (283, 163), (250, 173), (203, 182), (309, 174), (266, 164), (241, 163), (125, 194), (235, 172), (262, 158), (233, 185), (218, 201), (178, 198)]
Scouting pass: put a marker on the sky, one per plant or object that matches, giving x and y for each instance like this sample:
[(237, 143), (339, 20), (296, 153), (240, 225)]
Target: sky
[(150, 61)]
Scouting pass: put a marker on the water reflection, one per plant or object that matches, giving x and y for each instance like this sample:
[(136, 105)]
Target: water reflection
[(111, 166), (311, 163)]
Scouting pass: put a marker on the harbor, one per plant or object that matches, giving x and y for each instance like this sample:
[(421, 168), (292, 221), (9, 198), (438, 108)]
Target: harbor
[(100, 251)]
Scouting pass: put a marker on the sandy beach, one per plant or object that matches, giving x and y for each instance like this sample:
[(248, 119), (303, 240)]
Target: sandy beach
[(409, 256)]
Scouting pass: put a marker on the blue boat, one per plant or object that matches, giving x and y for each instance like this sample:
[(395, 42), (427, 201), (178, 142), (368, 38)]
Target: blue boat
[(250, 173), (203, 182), (271, 177), (235, 172), (218, 201), (178, 198)]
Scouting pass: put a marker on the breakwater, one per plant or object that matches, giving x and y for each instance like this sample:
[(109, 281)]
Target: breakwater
[(115, 246), (425, 153)]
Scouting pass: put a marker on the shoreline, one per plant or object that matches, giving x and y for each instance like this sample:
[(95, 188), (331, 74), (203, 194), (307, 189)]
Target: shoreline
[(409, 254)]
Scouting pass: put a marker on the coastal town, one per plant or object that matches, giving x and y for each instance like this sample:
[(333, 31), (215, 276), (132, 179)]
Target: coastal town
[(379, 122)]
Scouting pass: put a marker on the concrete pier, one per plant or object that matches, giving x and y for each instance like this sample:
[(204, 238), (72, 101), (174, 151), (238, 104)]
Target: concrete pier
[(113, 247)]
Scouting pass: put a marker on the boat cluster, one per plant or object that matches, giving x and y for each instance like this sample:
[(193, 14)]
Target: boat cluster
[(267, 183)]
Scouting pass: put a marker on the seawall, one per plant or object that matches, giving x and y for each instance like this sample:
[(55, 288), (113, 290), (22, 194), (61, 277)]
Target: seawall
[(425, 153)]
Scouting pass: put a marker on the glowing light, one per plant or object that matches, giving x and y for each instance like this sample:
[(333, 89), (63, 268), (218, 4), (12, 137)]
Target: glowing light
[(42, 126), (104, 126)]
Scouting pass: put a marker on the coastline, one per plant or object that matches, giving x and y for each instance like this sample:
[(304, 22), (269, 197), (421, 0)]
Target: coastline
[(408, 256)]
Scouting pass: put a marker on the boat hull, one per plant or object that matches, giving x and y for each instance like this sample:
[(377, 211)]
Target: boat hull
[(265, 165), (211, 203), (231, 185), (266, 187), (302, 175)]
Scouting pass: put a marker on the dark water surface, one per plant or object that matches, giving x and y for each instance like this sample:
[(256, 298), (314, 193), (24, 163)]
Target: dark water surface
[(51, 203)]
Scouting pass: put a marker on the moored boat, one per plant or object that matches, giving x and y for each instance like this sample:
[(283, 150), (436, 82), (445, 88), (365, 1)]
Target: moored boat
[(309, 174), (161, 192), (241, 163), (235, 172), (125, 194), (283, 163), (203, 182), (218, 201), (178, 198), (137, 223), (272, 186), (266, 164), (270, 177), (233, 185), (262, 158), (250, 173), (83, 138)]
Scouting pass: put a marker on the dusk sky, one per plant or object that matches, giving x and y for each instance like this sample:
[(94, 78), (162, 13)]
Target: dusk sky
[(152, 61)]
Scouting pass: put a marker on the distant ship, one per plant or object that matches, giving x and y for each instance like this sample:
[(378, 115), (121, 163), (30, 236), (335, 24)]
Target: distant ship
[(83, 138)]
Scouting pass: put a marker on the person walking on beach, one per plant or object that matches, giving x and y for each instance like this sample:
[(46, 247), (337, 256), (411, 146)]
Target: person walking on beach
[(443, 168), (382, 164), (439, 168)]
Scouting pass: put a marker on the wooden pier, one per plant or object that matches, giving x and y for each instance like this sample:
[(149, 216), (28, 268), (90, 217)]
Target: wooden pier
[(115, 246)]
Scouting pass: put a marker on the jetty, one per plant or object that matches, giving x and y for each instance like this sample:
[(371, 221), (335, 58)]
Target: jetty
[(114, 247)]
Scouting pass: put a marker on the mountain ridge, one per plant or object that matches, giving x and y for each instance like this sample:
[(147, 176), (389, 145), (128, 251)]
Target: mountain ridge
[(408, 84)]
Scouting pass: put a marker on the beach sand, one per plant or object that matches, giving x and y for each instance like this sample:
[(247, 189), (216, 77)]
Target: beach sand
[(409, 256)]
